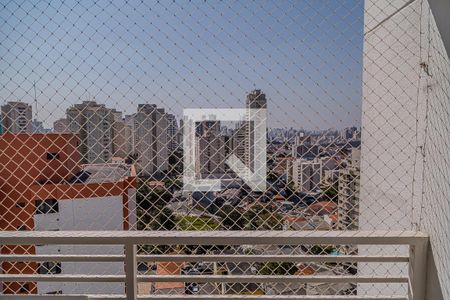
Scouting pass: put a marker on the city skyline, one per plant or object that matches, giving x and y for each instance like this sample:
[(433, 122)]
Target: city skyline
[(59, 118)]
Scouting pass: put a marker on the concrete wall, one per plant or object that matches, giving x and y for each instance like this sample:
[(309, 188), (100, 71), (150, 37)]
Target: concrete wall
[(405, 135), (432, 206)]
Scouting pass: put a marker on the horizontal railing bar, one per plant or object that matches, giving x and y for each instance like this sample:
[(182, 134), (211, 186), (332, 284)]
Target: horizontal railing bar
[(261, 297), (55, 297), (61, 258), (268, 297), (205, 258), (212, 237), (203, 278), (270, 278), (61, 278), (208, 297), (270, 258)]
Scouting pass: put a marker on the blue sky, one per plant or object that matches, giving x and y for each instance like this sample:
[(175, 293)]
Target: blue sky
[(305, 55)]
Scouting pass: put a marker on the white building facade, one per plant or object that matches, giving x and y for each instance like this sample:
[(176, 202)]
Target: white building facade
[(307, 175)]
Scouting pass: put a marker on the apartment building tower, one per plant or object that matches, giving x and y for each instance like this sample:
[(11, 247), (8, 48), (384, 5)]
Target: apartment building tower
[(94, 124), (16, 117), (348, 192), (150, 140), (172, 133), (242, 137), (306, 175), (256, 100), (210, 149), (348, 199), (121, 136)]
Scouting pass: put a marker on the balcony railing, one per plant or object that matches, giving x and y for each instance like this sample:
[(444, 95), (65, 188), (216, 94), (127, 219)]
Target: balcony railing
[(415, 279)]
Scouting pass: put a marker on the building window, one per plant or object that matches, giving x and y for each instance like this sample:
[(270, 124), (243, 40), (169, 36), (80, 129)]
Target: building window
[(50, 267), (47, 206), (52, 155)]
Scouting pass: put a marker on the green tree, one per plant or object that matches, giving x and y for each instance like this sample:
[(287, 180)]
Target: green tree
[(148, 198), (232, 218), (322, 249), (160, 219), (173, 184), (275, 268), (262, 218)]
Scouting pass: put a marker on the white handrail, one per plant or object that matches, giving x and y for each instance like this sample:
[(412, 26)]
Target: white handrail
[(417, 242)]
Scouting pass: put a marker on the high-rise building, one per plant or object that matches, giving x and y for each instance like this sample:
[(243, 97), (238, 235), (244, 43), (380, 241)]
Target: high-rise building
[(121, 136), (238, 142), (150, 141), (348, 202), (306, 175), (94, 124), (348, 193), (256, 100), (44, 187), (180, 134), (348, 199), (210, 149), (228, 139), (16, 117), (172, 133), (242, 138)]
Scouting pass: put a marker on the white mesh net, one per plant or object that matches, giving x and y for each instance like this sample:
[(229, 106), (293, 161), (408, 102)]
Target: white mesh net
[(221, 116)]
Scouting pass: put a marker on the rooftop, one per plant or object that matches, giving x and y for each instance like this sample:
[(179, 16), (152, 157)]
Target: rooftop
[(109, 172)]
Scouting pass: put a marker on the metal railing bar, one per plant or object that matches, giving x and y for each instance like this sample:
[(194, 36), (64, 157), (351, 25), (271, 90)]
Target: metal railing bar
[(203, 278), (61, 278), (262, 297), (50, 297), (206, 258), (205, 297), (271, 278), (278, 297), (131, 289), (270, 258), (212, 237), (61, 258)]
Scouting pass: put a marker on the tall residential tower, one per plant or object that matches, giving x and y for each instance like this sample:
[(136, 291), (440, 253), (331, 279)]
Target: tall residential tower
[(16, 117), (94, 123)]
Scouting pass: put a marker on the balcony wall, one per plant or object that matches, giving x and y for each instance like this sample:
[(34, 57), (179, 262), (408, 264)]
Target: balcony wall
[(405, 132)]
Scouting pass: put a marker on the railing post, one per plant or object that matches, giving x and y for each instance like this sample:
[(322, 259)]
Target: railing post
[(130, 272), (418, 270)]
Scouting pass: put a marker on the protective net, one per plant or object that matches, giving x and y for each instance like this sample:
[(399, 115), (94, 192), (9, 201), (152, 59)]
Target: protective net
[(208, 115)]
